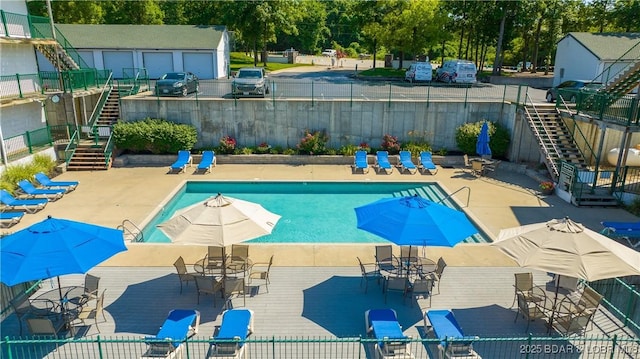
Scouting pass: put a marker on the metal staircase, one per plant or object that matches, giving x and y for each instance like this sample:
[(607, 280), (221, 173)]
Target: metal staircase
[(57, 55), (625, 82), (555, 140)]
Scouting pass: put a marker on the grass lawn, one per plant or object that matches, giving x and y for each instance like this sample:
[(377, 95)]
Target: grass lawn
[(240, 60)]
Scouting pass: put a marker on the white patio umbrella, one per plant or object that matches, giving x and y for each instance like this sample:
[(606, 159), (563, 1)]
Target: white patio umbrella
[(219, 221), (564, 247)]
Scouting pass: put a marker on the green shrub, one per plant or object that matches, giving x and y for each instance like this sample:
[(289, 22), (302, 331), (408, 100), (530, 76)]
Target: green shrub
[(276, 150), (313, 143), (246, 150), (154, 136), (467, 136), (18, 172), (416, 148), (289, 151), (349, 150), (390, 144)]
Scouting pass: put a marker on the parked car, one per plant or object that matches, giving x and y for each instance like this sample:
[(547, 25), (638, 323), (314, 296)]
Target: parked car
[(177, 83), (581, 85), (419, 72), (250, 81), (330, 52), (461, 71)]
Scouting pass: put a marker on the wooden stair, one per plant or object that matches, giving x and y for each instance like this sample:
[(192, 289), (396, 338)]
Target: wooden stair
[(555, 139), (89, 157), (111, 110), (626, 82), (53, 51)]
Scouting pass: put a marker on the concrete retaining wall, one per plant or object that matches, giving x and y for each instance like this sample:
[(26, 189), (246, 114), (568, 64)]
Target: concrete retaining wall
[(282, 123)]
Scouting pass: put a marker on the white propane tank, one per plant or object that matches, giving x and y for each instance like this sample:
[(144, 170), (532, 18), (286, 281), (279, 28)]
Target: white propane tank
[(633, 156)]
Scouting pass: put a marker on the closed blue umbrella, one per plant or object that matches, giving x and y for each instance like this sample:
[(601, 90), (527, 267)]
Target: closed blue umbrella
[(408, 221), (482, 145), (56, 247)]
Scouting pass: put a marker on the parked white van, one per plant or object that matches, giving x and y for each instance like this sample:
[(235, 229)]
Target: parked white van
[(419, 71), (461, 71)]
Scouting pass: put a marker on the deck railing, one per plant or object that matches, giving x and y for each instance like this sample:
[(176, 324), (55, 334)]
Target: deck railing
[(29, 142), (335, 348)]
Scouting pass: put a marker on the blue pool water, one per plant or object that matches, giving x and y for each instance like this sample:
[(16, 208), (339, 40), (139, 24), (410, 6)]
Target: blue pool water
[(312, 212)]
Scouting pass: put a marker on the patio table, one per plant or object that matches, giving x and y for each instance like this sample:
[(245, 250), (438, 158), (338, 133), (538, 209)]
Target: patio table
[(67, 306)]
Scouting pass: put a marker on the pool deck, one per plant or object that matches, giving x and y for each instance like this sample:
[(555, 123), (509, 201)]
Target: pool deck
[(311, 280)]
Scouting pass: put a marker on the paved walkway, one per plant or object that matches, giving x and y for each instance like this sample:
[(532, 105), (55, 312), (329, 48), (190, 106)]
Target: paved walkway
[(507, 199)]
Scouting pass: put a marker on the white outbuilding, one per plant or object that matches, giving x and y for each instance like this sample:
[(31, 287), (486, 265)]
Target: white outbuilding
[(594, 56), (203, 50)]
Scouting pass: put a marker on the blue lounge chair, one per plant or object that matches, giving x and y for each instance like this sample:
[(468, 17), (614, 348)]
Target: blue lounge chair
[(8, 219), (382, 162), (32, 192), (405, 163), (207, 162), (629, 231), (180, 325), (27, 205), (46, 182), (360, 162), (184, 160), (228, 341), (445, 326), (426, 163), (383, 325)]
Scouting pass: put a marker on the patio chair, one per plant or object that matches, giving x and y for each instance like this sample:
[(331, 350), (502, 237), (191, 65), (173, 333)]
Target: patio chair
[(383, 325), (385, 260), (183, 274), (530, 308), (445, 326), (572, 323), (589, 300), (46, 182), (89, 312), (395, 284), (23, 309), (216, 258), (426, 163), (368, 275), (523, 285), (420, 288), (8, 219), (180, 325), (437, 275), (405, 163), (409, 254), (477, 167), (360, 162), (184, 159), (382, 162), (493, 166), (233, 287), (207, 162), (229, 338), (27, 205), (207, 285), (467, 163), (91, 285), (261, 274), (32, 192), (239, 252), (45, 327)]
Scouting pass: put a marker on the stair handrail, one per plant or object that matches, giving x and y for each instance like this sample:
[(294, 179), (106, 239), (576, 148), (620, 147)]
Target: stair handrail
[(93, 119), (619, 59), (546, 152), (70, 149), (456, 191), (108, 148), (138, 236)]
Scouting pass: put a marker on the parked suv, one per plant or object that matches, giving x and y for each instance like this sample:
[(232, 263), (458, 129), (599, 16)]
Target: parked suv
[(250, 81), (462, 71), (177, 83), (582, 85)]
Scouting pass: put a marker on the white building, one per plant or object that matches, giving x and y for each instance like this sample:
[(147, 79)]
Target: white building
[(594, 56), (203, 50)]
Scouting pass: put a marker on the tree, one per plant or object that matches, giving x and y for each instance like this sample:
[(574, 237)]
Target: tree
[(626, 15), (144, 12)]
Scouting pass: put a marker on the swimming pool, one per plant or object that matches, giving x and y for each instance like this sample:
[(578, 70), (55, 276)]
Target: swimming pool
[(312, 212)]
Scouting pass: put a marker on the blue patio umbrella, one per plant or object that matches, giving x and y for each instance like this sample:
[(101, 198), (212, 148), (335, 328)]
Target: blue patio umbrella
[(414, 221), (56, 247), (482, 145)]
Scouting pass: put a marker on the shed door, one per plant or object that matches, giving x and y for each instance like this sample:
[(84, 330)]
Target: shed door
[(157, 63), (200, 63), (116, 61)]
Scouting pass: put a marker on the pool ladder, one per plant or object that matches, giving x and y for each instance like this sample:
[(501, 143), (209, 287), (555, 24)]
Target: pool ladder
[(456, 191), (131, 232)]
